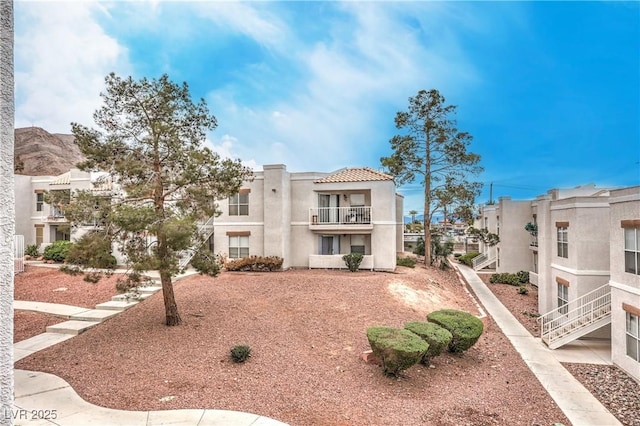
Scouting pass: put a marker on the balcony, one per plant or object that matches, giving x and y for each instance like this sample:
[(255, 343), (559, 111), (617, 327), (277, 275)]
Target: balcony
[(340, 219), (56, 216)]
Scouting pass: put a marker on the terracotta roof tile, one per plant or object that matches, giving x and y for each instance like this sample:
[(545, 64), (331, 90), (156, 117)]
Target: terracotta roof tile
[(63, 179), (356, 174)]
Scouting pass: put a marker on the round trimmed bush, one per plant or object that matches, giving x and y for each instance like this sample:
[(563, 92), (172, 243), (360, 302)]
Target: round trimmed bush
[(437, 338), (464, 327), (398, 349)]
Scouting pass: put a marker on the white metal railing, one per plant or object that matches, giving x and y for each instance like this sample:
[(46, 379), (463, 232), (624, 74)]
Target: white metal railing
[(578, 313), (205, 230), (478, 260), (481, 260), (339, 215), (18, 254)]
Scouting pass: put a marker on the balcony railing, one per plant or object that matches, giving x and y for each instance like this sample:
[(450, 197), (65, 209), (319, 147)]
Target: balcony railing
[(340, 216), (56, 215)]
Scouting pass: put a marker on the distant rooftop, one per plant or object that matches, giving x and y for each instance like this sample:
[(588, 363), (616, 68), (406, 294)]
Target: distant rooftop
[(361, 174)]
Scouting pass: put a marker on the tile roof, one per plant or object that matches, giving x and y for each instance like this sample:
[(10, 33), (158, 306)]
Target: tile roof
[(356, 174), (63, 179)]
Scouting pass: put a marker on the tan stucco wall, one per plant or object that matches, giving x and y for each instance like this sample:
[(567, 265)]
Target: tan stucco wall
[(514, 240), (278, 220), (625, 287)]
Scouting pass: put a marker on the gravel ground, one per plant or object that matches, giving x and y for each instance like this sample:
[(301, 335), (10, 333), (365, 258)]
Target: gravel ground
[(46, 284), (29, 324), (610, 385), (307, 332)]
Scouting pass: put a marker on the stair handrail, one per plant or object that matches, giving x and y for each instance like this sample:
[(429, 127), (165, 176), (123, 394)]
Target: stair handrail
[(205, 230), (576, 310), (478, 259), (573, 304)]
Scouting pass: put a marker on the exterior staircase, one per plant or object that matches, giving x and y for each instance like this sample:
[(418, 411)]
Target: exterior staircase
[(482, 261), (205, 230), (577, 318)]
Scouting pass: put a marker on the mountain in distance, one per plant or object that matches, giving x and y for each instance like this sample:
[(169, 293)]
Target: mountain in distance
[(41, 153)]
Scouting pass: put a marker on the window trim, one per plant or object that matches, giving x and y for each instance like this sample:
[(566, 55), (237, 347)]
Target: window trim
[(238, 250), (562, 237), (39, 201), (563, 295), (237, 204), (630, 338), (634, 251)]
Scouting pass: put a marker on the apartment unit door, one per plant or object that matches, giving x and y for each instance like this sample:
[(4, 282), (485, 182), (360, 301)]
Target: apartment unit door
[(328, 205)]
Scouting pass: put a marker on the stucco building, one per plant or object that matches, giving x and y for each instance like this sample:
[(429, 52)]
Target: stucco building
[(582, 251), (39, 222), (312, 219), (309, 219)]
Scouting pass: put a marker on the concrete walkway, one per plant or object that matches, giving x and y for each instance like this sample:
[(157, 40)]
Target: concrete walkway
[(46, 399), (45, 395), (575, 401)]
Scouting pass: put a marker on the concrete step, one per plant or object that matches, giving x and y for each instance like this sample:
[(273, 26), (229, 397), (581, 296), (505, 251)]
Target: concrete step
[(36, 343), (96, 315), (131, 297), (149, 289), (71, 327), (116, 305)]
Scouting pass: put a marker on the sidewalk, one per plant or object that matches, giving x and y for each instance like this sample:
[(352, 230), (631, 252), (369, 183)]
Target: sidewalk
[(45, 399), (575, 401)]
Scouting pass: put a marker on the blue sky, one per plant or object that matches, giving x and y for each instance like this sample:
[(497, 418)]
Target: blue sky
[(550, 91)]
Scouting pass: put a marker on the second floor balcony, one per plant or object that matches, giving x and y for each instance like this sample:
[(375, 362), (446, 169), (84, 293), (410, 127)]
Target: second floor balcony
[(343, 219), (56, 215)]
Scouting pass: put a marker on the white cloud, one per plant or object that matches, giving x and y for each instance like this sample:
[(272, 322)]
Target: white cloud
[(253, 19), (62, 56), (353, 79)]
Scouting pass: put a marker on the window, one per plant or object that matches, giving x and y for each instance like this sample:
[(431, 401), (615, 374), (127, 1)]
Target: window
[(535, 262), (563, 242), (39, 201), (358, 244), (239, 204), (633, 336), (238, 246), (632, 250), (563, 298)]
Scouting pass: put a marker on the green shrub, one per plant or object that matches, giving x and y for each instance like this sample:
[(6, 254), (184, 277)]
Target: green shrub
[(409, 262), (93, 250), (464, 327), (207, 263), (466, 259), (523, 276), (437, 338), (505, 278), (57, 251), (255, 264), (240, 353), (353, 261), (396, 348), (523, 290), (31, 250), (419, 250)]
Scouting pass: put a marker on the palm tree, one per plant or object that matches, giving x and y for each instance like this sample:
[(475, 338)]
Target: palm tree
[(7, 207)]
